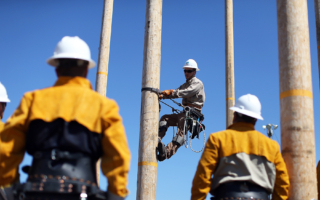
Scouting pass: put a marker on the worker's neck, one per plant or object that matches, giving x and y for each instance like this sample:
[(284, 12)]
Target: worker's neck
[(241, 120), (190, 78)]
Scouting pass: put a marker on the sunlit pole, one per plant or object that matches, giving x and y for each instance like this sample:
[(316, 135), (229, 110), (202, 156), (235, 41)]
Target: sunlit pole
[(149, 116), (229, 60), (296, 101), (102, 72)]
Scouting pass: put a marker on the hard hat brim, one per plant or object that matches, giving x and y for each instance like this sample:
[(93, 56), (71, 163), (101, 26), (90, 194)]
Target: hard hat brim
[(246, 112), (4, 100), (51, 61), (197, 69)]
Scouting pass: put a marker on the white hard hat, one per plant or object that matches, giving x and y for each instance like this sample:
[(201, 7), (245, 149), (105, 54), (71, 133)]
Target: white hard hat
[(191, 64), (248, 105), (71, 47), (3, 94)]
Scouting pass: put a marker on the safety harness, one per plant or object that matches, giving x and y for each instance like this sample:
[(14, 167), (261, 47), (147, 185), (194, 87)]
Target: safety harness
[(192, 124)]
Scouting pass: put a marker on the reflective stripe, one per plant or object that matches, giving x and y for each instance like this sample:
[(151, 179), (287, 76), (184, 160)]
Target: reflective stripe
[(298, 92), (230, 98), (148, 163), (105, 73)]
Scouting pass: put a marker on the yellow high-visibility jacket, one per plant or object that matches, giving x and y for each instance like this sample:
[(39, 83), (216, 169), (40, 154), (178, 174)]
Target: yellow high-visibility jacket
[(70, 99), (1, 126), (241, 154)]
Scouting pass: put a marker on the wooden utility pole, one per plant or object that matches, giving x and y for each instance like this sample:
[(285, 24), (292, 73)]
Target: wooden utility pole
[(317, 13), (104, 50), (149, 116), (229, 60), (296, 101)]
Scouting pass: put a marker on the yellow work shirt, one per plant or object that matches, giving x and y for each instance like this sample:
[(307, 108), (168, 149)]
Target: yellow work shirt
[(241, 153), (71, 99)]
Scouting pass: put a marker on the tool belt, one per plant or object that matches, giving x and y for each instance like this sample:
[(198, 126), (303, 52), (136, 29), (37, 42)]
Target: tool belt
[(240, 190), (64, 173), (194, 124)]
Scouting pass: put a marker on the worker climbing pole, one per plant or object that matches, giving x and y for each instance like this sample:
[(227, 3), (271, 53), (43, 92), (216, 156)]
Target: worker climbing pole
[(193, 97), (296, 101), (147, 161), (104, 51)]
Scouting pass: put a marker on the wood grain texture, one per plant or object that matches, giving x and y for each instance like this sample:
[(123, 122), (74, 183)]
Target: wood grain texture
[(229, 59), (149, 116), (296, 108)]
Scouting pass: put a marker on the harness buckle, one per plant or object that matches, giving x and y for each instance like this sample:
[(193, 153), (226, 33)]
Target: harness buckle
[(53, 154)]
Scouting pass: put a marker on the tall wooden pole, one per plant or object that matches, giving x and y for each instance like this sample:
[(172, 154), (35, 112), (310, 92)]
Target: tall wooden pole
[(296, 101), (102, 72), (149, 116), (229, 60), (317, 13)]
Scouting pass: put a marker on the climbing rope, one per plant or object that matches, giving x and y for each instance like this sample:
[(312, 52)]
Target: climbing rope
[(173, 109), (204, 142), (189, 134)]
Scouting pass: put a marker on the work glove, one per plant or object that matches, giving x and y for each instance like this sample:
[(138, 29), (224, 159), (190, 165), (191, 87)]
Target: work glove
[(160, 96), (167, 92)]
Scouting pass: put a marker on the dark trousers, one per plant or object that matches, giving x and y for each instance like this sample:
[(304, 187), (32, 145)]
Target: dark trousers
[(173, 120)]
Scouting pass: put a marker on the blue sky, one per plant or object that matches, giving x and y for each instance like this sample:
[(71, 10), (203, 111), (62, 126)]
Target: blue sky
[(190, 29)]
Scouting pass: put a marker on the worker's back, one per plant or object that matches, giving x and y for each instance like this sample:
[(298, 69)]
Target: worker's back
[(245, 154), (68, 126), (68, 116), (244, 163)]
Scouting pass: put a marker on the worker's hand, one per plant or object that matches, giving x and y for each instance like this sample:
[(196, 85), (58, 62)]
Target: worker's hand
[(160, 96), (167, 92)]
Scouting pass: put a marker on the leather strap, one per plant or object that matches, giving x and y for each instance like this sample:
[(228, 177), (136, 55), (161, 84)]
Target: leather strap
[(56, 154), (155, 90), (193, 106)]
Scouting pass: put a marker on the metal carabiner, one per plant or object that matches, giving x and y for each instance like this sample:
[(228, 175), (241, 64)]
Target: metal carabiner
[(53, 154)]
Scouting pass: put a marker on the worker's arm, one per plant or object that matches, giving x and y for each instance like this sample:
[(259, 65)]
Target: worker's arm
[(116, 155), (12, 143), (281, 188), (165, 94), (202, 180), (190, 91)]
